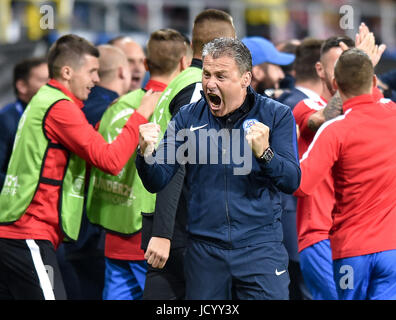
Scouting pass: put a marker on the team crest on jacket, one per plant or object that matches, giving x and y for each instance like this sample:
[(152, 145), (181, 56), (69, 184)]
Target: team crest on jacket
[(248, 123)]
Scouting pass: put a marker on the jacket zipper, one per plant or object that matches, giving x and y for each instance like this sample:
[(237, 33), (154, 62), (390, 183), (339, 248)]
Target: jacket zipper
[(226, 204), (226, 189)]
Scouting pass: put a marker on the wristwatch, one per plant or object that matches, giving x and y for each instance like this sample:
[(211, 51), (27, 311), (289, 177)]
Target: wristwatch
[(267, 155), (139, 151)]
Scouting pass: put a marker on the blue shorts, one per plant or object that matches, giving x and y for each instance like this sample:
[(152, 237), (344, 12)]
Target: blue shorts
[(367, 277), (124, 280), (317, 269), (255, 272)]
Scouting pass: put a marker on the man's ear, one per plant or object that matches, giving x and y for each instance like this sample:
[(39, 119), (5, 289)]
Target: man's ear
[(146, 64), (335, 85), (183, 63), (21, 86), (257, 73), (66, 72), (375, 81), (319, 70), (246, 79), (121, 72)]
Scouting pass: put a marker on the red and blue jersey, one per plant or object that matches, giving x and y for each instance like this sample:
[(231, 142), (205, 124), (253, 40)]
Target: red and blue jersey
[(313, 211), (358, 149)]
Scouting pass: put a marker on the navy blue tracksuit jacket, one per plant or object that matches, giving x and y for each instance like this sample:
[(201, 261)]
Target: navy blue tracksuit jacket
[(230, 210), (9, 119)]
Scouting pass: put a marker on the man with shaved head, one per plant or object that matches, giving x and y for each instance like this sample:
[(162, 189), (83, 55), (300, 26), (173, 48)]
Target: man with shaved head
[(114, 72), (115, 80), (135, 56)]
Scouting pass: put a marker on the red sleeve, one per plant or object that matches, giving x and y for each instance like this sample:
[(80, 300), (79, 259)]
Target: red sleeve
[(301, 113), (319, 159), (66, 124)]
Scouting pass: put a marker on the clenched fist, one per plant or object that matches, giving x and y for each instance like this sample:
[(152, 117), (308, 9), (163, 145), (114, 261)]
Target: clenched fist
[(258, 138), (148, 137)]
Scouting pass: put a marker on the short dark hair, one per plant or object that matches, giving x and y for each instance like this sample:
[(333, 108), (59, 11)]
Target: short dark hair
[(22, 69), (69, 50), (334, 42), (307, 54), (354, 72), (203, 32), (164, 50)]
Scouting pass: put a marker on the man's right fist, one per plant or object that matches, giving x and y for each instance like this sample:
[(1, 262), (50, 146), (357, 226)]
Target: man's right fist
[(148, 137)]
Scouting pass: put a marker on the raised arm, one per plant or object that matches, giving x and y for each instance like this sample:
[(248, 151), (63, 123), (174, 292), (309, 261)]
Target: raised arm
[(154, 168), (283, 168)]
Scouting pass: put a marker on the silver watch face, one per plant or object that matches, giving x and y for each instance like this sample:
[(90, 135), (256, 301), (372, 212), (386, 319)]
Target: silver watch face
[(268, 154)]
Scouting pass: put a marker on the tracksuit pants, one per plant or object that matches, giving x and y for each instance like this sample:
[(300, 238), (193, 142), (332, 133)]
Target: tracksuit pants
[(124, 279), (366, 277), (29, 270), (254, 272), (317, 269)]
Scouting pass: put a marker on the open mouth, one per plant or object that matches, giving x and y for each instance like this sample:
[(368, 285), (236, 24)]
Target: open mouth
[(136, 79), (214, 99)]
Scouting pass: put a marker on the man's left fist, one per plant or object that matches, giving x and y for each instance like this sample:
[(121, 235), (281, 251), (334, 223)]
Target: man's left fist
[(258, 138)]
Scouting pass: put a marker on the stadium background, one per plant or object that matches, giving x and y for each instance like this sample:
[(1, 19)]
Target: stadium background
[(22, 36)]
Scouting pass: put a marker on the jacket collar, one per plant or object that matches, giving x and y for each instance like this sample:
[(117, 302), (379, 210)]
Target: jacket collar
[(155, 85), (196, 63), (363, 99)]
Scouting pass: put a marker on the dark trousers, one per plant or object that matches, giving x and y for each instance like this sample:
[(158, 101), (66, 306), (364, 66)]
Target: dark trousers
[(167, 283), (82, 263), (83, 273), (29, 271), (255, 272), (298, 289)]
